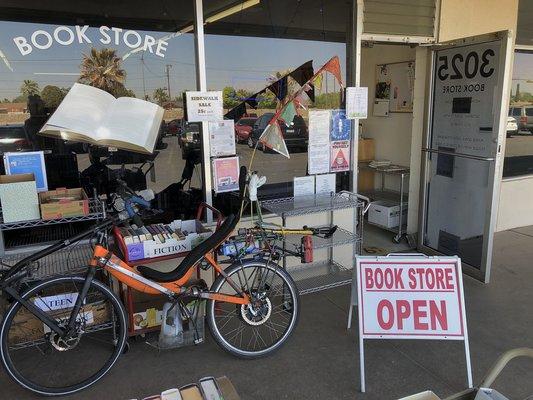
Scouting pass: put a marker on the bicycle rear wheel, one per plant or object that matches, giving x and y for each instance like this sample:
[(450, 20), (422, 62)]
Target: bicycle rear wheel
[(259, 328), (41, 361)]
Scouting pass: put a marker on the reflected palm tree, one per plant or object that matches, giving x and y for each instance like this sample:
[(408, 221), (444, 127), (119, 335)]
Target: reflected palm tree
[(29, 87), (102, 69)]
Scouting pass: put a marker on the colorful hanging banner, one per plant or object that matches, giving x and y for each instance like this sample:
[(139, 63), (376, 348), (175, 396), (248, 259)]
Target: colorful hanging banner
[(273, 139), (288, 113)]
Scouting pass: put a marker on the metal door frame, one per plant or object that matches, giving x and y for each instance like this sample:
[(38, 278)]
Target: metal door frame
[(506, 39)]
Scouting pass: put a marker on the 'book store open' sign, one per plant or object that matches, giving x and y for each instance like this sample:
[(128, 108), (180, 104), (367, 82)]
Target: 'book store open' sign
[(411, 297)]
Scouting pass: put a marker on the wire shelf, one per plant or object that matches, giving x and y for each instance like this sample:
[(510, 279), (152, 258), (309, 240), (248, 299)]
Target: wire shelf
[(96, 211), (318, 276), (290, 206), (340, 237), (71, 260)]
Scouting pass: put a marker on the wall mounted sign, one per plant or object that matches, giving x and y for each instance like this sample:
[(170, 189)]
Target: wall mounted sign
[(410, 297)]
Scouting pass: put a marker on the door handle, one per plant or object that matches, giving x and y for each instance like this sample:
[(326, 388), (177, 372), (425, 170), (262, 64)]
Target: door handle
[(463, 155)]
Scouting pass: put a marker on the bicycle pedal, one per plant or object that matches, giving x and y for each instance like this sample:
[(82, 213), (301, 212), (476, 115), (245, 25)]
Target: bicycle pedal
[(198, 341)]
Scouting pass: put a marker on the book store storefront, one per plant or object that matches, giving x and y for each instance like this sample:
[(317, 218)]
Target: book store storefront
[(148, 114)]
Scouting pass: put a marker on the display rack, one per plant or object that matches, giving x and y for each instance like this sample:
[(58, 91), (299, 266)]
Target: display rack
[(396, 196), (324, 274), (96, 212), (71, 260)]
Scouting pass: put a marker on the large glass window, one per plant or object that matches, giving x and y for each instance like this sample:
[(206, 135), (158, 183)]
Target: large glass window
[(519, 143), (293, 33)]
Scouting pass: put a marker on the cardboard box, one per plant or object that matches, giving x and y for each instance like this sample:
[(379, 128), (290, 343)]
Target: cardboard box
[(386, 213), (365, 180), (18, 195), (63, 203), (27, 327), (366, 150), (147, 319), (195, 232)]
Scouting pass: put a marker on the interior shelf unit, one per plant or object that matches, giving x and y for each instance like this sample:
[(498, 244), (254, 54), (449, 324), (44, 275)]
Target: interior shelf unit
[(328, 273)]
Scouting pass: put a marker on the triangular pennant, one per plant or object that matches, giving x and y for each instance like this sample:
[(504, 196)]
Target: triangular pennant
[(252, 100), (288, 113), (279, 88), (334, 67), (236, 112), (309, 90), (273, 139), (303, 73), (317, 82)]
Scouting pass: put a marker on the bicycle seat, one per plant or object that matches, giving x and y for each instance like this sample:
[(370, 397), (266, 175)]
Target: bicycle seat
[(194, 255)]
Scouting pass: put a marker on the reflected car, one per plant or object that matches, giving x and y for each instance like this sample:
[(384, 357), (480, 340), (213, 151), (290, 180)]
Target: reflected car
[(189, 139), (243, 127), (174, 127), (295, 135), (524, 116), (512, 126), (14, 138)]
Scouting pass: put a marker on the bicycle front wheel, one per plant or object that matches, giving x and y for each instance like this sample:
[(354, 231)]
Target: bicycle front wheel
[(261, 327), (42, 361)]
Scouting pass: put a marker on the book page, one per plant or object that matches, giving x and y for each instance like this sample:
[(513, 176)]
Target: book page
[(82, 110), (131, 121)]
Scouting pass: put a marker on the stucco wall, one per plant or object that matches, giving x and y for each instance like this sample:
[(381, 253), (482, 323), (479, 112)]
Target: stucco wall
[(460, 18)]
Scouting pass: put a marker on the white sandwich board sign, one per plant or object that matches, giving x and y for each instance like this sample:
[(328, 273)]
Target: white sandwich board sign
[(410, 297)]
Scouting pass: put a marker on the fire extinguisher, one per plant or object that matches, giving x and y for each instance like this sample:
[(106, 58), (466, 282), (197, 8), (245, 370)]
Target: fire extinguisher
[(307, 249)]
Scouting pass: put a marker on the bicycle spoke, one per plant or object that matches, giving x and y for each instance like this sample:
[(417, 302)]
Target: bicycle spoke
[(262, 324)]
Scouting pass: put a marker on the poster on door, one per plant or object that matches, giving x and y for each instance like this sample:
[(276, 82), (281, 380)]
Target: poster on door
[(466, 80), (340, 156)]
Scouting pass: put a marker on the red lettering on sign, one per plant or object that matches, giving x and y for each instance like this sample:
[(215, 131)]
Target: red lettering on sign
[(449, 278), (438, 314), (404, 310), (419, 313), (385, 304), (369, 280)]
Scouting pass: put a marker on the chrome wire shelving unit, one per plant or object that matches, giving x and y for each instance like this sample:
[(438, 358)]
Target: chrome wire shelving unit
[(327, 273), (45, 231)]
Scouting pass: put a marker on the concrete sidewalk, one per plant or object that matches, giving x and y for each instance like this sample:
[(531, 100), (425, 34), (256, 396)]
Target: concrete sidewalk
[(321, 359)]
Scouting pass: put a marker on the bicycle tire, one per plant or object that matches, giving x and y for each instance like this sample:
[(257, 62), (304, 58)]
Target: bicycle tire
[(6, 325), (211, 309)]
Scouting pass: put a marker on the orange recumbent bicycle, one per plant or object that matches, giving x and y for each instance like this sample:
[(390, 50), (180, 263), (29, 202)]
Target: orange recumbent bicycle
[(252, 308)]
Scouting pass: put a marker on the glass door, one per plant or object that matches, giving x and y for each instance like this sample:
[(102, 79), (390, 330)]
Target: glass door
[(462, 152)]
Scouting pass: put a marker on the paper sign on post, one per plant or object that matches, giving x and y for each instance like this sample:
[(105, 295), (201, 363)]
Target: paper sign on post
[(226, 174), (410, 297), (204, 106), (222, 138), (356, 102)]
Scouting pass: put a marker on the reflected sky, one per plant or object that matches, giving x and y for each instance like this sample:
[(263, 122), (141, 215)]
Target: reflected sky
[(241, 62)]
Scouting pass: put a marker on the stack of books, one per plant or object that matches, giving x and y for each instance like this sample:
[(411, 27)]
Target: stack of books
[(160, 233)]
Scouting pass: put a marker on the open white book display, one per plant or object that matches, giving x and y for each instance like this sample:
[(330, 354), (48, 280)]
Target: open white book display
[(88, 114)]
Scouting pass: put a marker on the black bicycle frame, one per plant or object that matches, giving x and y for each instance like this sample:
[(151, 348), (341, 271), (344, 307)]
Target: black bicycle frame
[(13, 276)]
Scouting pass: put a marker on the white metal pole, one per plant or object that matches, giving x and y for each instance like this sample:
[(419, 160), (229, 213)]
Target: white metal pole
[(362, 360), (201, 85), (358, 20)]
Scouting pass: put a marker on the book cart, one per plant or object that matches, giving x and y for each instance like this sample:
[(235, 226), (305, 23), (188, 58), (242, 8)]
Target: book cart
[(126, 293)]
